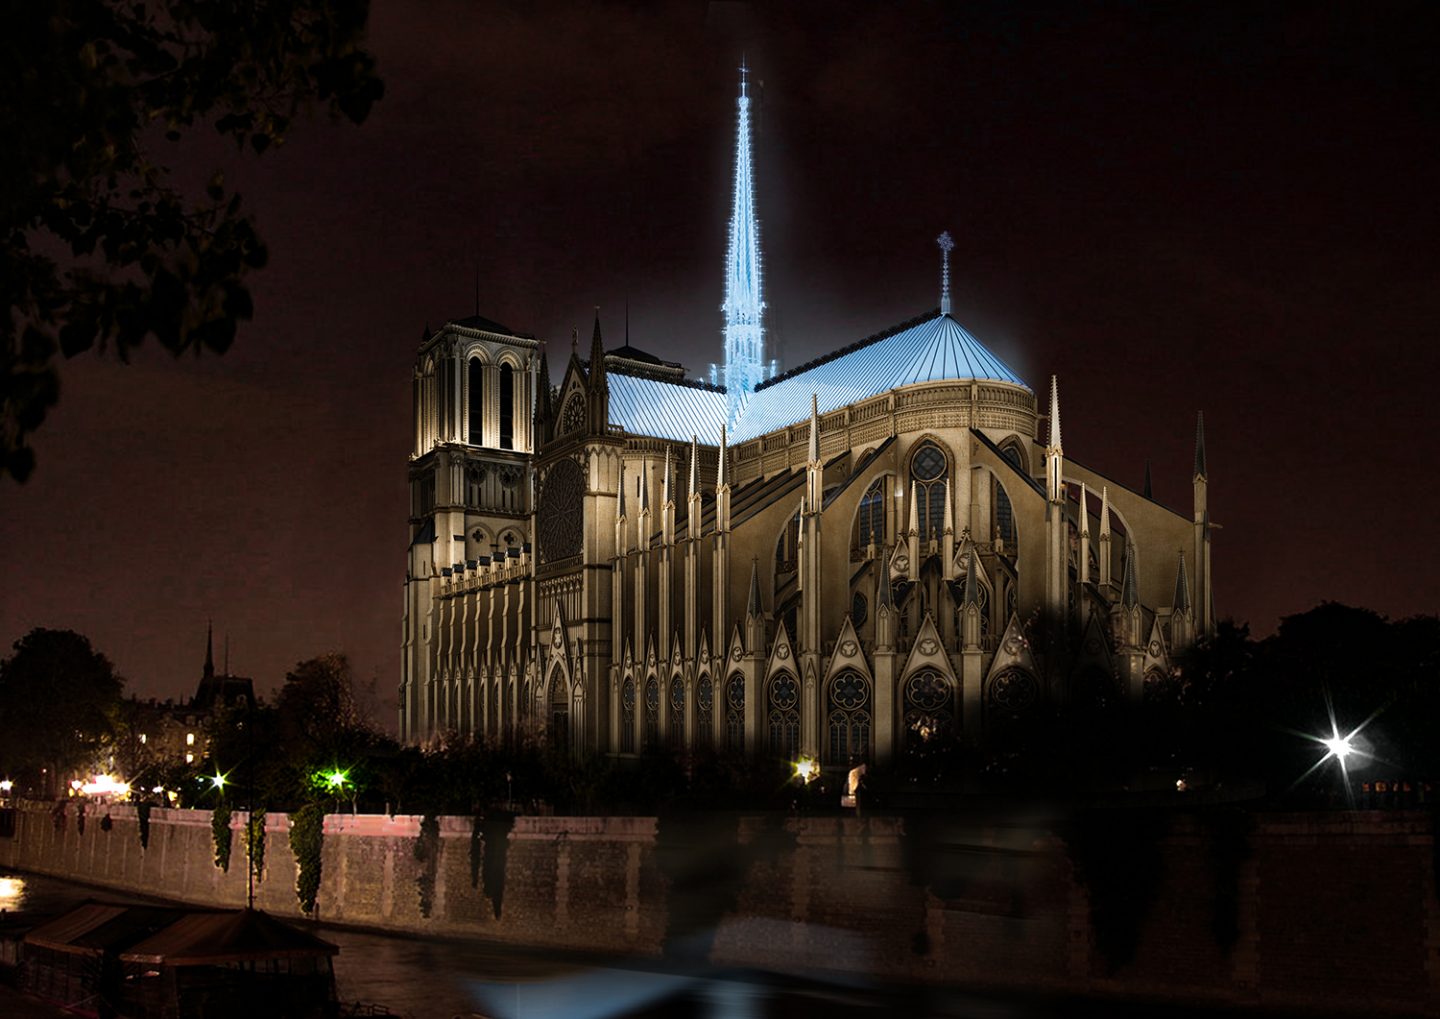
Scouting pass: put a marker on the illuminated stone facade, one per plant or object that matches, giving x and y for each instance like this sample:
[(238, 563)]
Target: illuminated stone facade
[(880, 546)]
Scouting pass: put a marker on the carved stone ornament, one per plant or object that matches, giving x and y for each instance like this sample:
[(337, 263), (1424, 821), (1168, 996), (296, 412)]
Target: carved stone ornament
[(558, 640), (1013, 646), (1092, 646), (848, 648), (782, 652), (902, 563), (1155, 648), (928, 646), (736, 651)]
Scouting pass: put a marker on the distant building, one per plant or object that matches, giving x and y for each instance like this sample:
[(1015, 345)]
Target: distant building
[(882, 545), (171, 732)]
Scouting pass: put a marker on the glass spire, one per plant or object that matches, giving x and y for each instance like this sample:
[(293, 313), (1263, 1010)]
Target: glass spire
[(745, 363)]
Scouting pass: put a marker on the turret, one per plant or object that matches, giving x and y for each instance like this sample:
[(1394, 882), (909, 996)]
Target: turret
[(720, 573), (692, 555), (754, 613), (544, 413), (1182, 619), (1056, 532), (665, 575), (1204, 600), (811, 594), (599, 383), (970, 606), (1084, 557), (1105, 538), (947, 548), (912, 533), (884, 609)]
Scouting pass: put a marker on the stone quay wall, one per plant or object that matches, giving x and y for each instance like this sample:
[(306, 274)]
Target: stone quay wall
[(1330, 910)]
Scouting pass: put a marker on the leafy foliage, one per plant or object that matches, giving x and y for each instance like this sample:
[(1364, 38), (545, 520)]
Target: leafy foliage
[(59, 698), (307, 834), (427, 854), (221, 835), (100, 246), (255, 844)]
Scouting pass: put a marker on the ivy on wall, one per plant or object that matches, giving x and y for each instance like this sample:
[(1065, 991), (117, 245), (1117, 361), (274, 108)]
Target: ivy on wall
[(220, 834), (477, 848), (427, 853), (255, 843), (307, 832), (1116, 855)]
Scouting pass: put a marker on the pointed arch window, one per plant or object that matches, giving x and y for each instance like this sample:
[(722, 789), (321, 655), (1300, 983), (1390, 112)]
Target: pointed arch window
[(704, 711), (507, 407), (476, 399), (627, 716), (784, 716), (677, 713), (929, 707), (870, 519), (559, 711), (1004, 517), (652, 713), (787, 549), (848, 707), (930, 469), (735, 714)]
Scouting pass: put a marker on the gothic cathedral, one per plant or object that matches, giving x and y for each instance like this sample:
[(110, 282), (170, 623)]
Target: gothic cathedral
[(884, 545)]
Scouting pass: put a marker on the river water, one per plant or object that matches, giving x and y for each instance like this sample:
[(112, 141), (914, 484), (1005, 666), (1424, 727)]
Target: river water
[(428, 978)]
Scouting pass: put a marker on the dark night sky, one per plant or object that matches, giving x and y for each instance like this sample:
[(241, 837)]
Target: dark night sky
[(1224, 207)]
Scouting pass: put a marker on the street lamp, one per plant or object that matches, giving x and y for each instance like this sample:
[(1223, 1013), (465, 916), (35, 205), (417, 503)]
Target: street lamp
[(1339, 746), (807, 770)]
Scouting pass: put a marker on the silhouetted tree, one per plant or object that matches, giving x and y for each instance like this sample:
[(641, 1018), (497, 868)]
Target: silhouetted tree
[(59, 701), (97, 244)]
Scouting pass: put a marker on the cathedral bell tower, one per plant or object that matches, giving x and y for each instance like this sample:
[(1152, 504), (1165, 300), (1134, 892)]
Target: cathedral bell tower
[(474, 394)]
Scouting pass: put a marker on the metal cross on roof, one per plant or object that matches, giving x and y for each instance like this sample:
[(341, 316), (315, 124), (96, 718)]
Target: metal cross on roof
[(947, 244)]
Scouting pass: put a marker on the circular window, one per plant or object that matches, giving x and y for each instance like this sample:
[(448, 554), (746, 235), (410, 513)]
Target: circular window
[(558, 518), (928, 464)]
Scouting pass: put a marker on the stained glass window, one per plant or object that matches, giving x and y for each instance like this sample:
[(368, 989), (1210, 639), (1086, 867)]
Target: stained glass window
[(849, 714)]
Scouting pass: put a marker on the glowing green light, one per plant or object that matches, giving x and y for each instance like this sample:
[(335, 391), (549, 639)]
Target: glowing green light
[(337, 778)]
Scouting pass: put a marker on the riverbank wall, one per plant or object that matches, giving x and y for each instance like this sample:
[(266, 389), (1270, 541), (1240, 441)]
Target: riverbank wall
[(1331, 911)]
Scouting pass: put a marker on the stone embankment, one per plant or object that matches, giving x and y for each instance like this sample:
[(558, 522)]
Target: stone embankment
[(1328, 910)]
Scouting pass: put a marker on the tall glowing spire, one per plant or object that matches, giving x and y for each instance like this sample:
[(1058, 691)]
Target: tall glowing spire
[(745, 363)]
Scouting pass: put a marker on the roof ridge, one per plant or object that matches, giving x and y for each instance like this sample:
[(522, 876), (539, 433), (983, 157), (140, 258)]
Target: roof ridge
[(656, 376), (857, 345)]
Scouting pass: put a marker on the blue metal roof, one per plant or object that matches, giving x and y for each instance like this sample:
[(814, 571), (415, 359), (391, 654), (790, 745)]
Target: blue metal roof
[(931, 349), (666, 409), (934, 349)]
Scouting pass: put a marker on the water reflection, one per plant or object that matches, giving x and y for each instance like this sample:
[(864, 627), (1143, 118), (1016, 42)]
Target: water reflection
[(12, 892)]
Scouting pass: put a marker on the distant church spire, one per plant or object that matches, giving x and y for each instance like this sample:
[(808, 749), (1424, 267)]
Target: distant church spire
[(745, 363), (209, 649), (1200, 469), (947, 244)]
